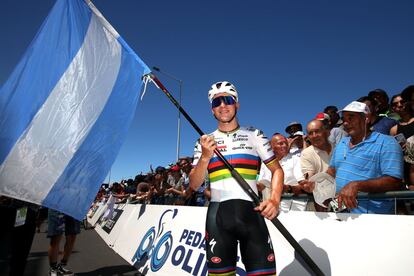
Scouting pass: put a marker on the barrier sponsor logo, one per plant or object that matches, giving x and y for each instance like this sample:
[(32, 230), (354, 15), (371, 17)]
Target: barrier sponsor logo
[(172, 250), (155, 246)]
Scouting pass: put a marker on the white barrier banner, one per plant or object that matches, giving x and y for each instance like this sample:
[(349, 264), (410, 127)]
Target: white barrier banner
[(169, 240)]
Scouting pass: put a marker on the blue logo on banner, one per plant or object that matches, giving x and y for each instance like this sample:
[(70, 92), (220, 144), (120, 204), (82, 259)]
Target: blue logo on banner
[(155, 246)]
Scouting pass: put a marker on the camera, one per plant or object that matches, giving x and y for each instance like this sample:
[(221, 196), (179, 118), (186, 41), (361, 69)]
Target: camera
[(333, 206)]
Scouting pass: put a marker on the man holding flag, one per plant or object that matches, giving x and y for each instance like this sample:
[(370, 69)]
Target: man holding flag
[(231, 216)]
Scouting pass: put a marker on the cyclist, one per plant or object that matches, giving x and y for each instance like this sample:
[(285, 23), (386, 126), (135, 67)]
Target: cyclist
[(232, 217)]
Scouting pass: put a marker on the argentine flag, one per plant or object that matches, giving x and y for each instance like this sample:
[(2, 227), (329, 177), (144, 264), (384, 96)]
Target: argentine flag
[(66, 108)]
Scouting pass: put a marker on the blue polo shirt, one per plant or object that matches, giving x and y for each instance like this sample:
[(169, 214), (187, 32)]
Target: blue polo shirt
[(379, 155)]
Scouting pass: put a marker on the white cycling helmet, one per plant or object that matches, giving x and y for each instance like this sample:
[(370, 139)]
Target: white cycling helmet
[(222, 87)]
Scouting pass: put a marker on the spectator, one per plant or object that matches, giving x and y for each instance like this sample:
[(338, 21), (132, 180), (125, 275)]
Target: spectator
[(337, 131), (409, 164), (57, 223), (16, 234), (176, 193), (160, 185), (295, 139), (397, 104), (293, 127), (185, 166), (334, 120), (193, 198), (315, 159), (118, 192), (377, 123), (382, 99), (143, 194), (365, 161), (101, 194), (325, 118), (130, 187), (140, 178), (405, 127), (151, 196), (290, 163), (405, 111)]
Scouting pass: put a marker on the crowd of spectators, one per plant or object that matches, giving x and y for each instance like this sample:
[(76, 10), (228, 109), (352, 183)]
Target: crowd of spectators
[(364, 146), (302, 155), (164, 185)]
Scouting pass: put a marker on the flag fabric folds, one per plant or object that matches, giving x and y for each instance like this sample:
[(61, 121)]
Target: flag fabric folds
[(66, 108)]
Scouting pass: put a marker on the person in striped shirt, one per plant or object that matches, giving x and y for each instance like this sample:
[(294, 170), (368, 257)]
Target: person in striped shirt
[(365, 161)]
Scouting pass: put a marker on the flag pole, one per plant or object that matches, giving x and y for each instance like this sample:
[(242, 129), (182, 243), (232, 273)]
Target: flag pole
[(244, 185)]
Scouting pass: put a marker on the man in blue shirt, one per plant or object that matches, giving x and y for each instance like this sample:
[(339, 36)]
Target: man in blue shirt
[(365, 161)]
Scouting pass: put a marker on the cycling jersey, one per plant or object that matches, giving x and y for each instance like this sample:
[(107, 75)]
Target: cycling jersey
[(243, 148)]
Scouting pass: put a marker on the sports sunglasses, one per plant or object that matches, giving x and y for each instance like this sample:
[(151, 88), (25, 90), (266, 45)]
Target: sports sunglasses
[(227, 100)]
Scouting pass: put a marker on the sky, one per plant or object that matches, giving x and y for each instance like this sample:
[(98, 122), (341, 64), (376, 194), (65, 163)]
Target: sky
[(287, 59)]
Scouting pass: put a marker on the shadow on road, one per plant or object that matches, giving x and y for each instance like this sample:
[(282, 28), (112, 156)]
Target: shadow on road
[(110, 271)]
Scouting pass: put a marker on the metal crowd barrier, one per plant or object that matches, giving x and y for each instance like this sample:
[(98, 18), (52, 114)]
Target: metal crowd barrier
[(403, 200)]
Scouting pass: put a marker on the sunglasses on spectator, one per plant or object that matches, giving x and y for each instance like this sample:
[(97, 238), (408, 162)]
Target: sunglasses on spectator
[(227, 100)]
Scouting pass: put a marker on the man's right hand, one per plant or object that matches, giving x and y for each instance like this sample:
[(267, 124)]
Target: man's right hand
[(208, 145)]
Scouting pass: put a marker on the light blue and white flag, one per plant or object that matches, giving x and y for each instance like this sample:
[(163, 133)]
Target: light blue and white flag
[(66, 108)]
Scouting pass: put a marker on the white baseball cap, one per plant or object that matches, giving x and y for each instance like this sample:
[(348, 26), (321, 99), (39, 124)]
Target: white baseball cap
[(356, 107)]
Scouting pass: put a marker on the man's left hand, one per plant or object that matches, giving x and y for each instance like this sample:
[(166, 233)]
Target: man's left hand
[(348, 195), (268, 208)]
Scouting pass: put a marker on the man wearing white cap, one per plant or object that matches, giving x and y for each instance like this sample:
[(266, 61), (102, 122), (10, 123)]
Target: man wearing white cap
[(232, 218), (365, 161)]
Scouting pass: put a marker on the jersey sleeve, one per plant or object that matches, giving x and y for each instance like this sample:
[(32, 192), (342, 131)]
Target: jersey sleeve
[(263, 148)]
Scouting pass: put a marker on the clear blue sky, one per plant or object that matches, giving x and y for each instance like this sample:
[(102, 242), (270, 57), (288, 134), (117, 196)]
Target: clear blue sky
[(288, 60)]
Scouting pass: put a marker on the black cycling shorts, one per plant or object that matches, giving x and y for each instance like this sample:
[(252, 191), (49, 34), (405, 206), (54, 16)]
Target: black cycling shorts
[(229, 223)]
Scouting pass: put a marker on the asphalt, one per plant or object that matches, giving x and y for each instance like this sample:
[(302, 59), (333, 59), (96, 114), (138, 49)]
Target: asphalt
[(90, 257)]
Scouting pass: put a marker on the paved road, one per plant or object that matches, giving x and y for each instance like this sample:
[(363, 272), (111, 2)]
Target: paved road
[(91, 256)]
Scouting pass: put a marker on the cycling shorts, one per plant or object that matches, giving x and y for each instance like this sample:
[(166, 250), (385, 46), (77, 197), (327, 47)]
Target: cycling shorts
[(234, 222)]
